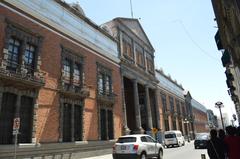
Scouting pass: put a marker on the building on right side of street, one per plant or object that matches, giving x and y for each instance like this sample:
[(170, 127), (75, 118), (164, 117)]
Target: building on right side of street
[(228, 42)]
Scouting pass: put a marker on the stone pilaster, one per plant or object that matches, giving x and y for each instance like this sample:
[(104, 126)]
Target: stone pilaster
[(137, 108), (34, 119), (157, 109), (126, 130)]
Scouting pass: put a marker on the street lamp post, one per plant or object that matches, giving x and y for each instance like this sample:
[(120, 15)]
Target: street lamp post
[(220, 105), (187, 122)]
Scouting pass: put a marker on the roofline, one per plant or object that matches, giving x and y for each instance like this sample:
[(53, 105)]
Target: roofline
[(122, 18), (84, 18), (162, 73)]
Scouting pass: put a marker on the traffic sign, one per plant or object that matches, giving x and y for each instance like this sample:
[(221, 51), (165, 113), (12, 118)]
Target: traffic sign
[(16, 123)]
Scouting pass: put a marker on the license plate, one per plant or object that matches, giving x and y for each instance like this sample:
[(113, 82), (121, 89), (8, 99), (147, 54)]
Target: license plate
[(123, 147)]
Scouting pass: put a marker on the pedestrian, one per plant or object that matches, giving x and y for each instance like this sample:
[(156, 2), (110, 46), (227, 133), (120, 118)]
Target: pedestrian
[(232, 142), (238, 131), (215, 147), (221, 134)]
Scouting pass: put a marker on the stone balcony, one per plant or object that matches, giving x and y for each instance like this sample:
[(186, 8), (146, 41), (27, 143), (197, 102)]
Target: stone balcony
[(107, 98), (21, 75), (74, 90)]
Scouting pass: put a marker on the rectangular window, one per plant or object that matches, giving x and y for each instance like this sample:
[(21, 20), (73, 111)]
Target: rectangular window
[(140, 58), (29, 57), (77, 74), (166, 123), (178, 107), (67, 124), (164, 102), (66, 70), (150, 65), (78, 122), (127, 49), (104, 81), (171, 102), (101, 83), (13, 54)]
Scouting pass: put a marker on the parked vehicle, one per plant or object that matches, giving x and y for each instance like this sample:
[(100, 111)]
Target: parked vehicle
[(201, 140), (173, 138), (137, 146)]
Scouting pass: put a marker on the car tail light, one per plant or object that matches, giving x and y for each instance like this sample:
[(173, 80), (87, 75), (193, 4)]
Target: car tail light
[(114, 148), (135, 147)]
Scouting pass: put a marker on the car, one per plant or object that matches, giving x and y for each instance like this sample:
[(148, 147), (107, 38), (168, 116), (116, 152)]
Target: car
[(137, 146), (201, 140), (173, 138)]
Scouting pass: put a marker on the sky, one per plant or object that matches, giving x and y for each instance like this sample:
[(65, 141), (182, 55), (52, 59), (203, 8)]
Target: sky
[(182, 34)]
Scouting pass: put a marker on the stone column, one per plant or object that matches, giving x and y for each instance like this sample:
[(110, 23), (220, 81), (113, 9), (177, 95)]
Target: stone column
[(157, 109), (126, 130), (137, 108), (148, 108)]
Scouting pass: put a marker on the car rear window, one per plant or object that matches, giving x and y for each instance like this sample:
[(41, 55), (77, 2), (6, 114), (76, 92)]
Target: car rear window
[(170, 136), (126, 139)]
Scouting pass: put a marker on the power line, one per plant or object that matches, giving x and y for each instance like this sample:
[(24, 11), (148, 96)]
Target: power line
[(194, 42)]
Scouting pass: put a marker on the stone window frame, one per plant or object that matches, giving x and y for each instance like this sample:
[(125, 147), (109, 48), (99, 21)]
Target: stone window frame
[(178, 106), (164, 102), (171, 104), (128, 49), (106, 107), (19, 93), (105, 72), (139, 51), (150, 63), (25, 36), (72, 103), (74, 58)]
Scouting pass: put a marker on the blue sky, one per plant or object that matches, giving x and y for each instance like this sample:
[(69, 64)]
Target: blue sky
[(182, 33)]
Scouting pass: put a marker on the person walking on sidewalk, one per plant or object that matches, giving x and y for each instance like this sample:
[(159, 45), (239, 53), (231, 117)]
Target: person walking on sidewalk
[(215, 146), (233, 143)]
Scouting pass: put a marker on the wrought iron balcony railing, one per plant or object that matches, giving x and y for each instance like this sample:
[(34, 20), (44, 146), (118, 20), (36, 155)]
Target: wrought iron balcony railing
[(23, 73)]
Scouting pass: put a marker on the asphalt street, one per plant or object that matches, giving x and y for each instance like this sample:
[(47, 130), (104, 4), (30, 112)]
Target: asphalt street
[(184, 152)]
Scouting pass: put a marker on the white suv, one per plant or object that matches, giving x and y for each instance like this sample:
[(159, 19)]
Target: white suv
[(137, 147)]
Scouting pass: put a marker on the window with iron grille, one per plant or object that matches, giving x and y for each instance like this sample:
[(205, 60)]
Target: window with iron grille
[(164, 102), (178, 107), (171, 102), (72, 70), (104, 77), (29, 57), (23, 48), (13, 54)]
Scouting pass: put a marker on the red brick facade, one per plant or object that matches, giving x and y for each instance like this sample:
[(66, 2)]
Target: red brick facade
[(48, 113)]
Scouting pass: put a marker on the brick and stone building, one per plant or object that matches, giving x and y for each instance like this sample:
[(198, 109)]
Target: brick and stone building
[(171, 104), (140, 111), (199, 117), (60, 74), (228, 42)]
